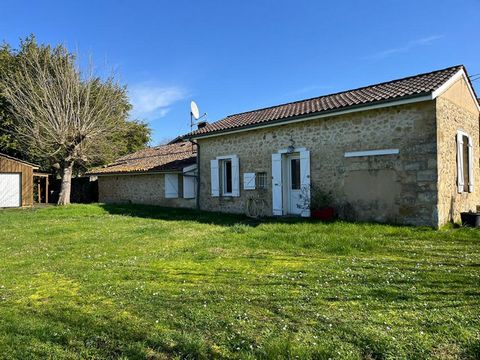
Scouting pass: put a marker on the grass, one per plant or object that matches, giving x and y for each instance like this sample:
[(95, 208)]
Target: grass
[(93, 281)]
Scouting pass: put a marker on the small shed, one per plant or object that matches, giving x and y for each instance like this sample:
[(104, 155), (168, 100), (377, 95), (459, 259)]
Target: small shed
[(16, 182)]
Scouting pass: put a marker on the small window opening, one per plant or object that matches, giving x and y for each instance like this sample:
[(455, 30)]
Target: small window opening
[(261, 178)]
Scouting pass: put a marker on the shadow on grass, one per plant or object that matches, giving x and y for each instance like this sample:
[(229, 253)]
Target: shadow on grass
[(226, 219), (205, 217)]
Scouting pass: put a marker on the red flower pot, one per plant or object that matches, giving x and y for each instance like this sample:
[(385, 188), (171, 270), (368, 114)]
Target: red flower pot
[(324, 214)]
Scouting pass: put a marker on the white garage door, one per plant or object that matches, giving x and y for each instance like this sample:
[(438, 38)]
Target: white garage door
[(9, 190)]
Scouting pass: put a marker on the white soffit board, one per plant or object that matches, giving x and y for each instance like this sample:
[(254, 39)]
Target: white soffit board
[(459, 75), (350, 154), (189, 168)]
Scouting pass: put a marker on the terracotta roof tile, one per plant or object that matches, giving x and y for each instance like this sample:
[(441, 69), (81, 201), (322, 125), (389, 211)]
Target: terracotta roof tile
[(412, 86), (171, 157)]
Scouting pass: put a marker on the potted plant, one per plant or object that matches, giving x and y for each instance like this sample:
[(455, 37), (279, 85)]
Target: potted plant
[(320, 204), (471, 219)]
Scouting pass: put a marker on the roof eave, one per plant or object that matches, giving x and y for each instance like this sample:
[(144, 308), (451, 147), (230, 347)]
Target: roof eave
[(139, 172), (425, 96), (34, 166)]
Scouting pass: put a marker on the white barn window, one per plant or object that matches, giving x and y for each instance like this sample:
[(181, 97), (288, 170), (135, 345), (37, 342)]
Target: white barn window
[(190, 182), (464, 162)]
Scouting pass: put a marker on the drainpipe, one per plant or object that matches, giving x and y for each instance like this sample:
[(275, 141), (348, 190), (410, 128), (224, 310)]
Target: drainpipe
[(198, 173)]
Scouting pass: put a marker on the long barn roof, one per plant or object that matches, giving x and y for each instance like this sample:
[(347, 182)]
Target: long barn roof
[(405, 88)]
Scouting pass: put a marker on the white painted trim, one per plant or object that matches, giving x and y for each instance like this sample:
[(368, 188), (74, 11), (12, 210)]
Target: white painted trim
[(189, 168), (285, 151), (349, 154), (463, 133), (461, 160), (223, 157), (460, 74), (448, 83), (320, 116)]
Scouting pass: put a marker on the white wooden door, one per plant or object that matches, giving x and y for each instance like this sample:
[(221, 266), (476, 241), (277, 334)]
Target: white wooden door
[(10, 190), (277, 188), (294, 182), (305, 181)]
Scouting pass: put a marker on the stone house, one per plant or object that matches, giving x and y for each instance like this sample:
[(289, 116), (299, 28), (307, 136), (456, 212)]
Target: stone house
[(404, 151), (162, 175)]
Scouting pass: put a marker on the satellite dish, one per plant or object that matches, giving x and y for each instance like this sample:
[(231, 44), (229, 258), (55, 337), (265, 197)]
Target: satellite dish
[(194, 110)]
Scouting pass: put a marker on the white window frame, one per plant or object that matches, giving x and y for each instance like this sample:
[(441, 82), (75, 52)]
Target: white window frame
[(461, 161), (219, 170)]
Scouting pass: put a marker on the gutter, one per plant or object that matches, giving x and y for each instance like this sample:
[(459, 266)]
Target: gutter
[(198, 174)]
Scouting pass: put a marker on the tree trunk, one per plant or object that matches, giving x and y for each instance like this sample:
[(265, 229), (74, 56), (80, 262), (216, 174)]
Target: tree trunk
[(64, 197)]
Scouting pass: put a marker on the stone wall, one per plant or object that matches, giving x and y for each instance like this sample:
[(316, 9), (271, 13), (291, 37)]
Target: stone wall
[(139, 189), (393, 188), (456, 110)]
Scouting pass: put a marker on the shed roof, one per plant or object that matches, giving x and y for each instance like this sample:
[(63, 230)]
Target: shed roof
[(19, 160), (163, 158), (405, 88)]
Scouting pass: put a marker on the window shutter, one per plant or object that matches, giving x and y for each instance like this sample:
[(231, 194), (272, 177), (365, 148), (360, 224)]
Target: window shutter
[(188, 187), (249, 181), (470, 165), (171, 186), (305, 180), (277, 190), (235, 177), (214, 177), (460, 180)]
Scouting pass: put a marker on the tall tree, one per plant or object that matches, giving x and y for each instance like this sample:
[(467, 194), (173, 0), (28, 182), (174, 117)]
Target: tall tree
[(58, 111), (8, 143)]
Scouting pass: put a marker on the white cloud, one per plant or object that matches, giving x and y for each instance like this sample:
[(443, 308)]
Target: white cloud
[(405, 48), (152, 102)]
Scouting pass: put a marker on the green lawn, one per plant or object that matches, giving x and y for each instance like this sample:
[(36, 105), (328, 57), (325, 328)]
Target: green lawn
[(92, 281)]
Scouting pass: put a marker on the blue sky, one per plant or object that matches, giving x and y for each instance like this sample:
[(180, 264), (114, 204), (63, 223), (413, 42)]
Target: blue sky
[(237, 56)]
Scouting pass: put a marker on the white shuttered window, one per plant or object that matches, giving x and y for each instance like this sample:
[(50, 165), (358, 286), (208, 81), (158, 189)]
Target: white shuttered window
[(465, 170), (225, 176), (171, 186)]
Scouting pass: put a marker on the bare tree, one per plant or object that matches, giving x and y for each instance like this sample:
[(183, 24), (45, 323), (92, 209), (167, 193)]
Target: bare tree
[(59, 111)]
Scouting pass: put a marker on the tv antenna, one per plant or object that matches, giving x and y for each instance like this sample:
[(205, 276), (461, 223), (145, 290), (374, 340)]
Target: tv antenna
[(195, 118)]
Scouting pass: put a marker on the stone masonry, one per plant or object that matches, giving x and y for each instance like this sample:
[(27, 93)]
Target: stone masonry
[(456, 111), (139, 189), (390, 188)]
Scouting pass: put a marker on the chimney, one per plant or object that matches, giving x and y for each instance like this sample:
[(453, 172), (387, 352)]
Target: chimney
[(202, 124)]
